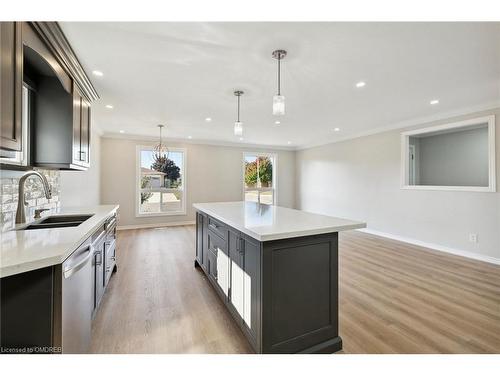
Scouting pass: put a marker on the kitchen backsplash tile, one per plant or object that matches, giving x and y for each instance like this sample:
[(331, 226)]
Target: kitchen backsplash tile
[(34, 196)]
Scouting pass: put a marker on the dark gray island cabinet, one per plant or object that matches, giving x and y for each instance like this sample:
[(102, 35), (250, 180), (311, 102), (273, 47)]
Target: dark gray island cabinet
[(276, 270)]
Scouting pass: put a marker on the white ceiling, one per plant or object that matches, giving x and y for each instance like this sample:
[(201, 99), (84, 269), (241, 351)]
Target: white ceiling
[(181, 73)]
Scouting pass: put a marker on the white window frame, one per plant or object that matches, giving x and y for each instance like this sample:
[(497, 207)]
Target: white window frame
[(405, 136), (137, 198), (274, 189)]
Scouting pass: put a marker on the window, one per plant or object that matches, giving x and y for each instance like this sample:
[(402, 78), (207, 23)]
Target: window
[(259, 177), (456, 156), (161, 184)]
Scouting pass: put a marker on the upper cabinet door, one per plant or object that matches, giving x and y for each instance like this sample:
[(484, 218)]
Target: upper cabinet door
[(11, 84), (81, 130), (77, 121), (85, 133)]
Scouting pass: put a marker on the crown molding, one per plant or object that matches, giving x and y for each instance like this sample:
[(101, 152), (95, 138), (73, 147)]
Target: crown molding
[(419, 121), (207, 142), (56, 41)]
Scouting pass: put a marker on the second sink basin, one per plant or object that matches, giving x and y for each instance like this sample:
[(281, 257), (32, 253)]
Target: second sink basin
[(65, 219), (58, 221)]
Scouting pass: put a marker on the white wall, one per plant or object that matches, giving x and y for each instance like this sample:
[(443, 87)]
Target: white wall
[(214, 173), (360, 179), (83, 188), (453, 159)]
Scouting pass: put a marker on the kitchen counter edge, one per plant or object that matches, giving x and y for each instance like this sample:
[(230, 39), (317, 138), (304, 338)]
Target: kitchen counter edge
[(281, 235), (13, 269)]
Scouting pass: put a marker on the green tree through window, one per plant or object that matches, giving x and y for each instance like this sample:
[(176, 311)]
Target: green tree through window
[(167, 166), (259, 169)]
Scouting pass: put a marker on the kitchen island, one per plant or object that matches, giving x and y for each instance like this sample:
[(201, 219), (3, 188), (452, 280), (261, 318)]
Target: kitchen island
[(276, 270)]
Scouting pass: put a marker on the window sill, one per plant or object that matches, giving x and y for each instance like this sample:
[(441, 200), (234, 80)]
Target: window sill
[(158, 214), (483, 189)]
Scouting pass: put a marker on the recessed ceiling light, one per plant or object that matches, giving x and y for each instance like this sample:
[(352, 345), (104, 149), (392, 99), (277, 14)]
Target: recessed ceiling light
[(97, 73), (241, 138), (190, 137), (208, 119), (289, 142), (277, 122), (336, 129), (434, 101), (109, 106), (122, 131), (360, 84)]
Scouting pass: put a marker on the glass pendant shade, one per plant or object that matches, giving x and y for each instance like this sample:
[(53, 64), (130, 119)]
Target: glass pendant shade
[(238, 128), (278, 105)]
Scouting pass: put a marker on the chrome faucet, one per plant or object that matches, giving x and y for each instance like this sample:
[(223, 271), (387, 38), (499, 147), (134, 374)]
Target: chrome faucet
[(21, 202)]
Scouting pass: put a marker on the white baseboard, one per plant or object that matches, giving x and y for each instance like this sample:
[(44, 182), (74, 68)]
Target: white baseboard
[(463, 253), (157, 225)]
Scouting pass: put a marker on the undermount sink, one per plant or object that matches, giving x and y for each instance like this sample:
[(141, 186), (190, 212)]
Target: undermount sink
[(64, 219), (58, 221)]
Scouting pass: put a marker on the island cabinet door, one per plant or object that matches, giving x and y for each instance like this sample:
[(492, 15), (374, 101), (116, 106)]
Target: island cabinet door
[(204, 242), (251, 253), (300, 295), (218, 263), (237, 295), (199, 238), (245, 284)]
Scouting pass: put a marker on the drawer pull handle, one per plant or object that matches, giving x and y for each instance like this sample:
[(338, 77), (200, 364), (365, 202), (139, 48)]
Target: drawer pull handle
[(98, 258)]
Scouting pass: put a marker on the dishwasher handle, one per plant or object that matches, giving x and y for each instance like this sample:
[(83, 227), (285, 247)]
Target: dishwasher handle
[(67, 272)]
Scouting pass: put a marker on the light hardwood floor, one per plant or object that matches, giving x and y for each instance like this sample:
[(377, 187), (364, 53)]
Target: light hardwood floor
[(394, 298)]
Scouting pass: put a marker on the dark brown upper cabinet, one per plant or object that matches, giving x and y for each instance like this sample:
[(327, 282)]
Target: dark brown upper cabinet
[(57, 109), (81, 130), (11, 83)]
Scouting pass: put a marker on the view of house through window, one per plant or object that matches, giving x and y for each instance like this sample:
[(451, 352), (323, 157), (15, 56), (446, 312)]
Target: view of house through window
[(161, 183), (259, 180)]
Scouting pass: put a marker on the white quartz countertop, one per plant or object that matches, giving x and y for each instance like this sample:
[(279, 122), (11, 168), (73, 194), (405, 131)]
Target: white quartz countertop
[(27, 250), (265, 223)]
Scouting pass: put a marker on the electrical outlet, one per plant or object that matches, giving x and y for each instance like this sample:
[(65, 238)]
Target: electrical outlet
[(473, 237)]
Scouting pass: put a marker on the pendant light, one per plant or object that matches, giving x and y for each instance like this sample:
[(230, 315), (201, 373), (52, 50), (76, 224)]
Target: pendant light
[(238, 125), (160, 150), (279, 100)]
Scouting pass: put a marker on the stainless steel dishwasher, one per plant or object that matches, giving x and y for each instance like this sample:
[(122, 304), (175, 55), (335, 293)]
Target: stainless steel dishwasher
[(77, 300)]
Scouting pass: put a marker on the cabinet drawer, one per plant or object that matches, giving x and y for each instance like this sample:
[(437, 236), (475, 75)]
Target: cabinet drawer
[(217, 227), (216, 243), (110, 259)]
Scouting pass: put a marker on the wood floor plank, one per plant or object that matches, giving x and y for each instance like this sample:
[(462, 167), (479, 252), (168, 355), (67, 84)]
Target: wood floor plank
[(393, 298)]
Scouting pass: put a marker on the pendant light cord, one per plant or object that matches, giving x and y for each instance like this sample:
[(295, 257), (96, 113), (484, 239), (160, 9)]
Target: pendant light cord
[(238, 108), (279, 75), (160, 142)]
